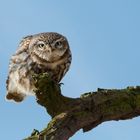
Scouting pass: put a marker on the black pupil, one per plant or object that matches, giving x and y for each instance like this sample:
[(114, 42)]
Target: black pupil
[(41, 45), (58, 43)]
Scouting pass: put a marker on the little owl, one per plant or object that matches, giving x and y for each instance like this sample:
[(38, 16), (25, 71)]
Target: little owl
[(44, 52)]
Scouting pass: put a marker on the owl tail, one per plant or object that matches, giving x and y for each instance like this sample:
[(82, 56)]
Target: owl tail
[(15, 96)]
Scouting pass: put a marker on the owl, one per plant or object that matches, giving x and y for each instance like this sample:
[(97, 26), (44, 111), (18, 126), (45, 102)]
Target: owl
[(44, 52)]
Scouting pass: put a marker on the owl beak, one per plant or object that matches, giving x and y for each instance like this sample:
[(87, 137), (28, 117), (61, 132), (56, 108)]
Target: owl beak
[(48, 48)]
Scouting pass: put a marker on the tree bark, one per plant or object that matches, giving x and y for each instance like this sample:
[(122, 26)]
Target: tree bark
[(91, 109)]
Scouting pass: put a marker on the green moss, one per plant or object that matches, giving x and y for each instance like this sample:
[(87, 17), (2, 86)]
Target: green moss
[(86, 95), (81, 114), (120, 104), (32, 138), (48, 94), (51, 123)]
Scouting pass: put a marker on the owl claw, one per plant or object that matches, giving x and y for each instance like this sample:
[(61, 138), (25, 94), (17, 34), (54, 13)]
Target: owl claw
[(60, 84), (14, 96)]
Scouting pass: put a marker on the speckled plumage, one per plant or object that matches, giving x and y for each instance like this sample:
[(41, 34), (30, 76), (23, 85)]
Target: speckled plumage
[(44, 52)]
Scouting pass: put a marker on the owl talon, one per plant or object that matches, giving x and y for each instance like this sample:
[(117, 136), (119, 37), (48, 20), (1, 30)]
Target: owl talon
[(14, 96), (60, 84)]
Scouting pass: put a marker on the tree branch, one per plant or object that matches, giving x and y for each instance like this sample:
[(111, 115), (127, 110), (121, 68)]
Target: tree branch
[(91, 109)]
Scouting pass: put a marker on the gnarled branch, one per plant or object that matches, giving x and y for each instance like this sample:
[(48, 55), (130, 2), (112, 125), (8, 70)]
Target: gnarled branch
[(91, 109)]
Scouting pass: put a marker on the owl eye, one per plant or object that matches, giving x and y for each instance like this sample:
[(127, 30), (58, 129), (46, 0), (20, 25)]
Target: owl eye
[(58, 44), (41, 45)]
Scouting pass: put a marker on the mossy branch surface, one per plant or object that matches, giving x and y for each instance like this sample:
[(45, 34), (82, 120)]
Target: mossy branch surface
[(91, 109), (48, 94)]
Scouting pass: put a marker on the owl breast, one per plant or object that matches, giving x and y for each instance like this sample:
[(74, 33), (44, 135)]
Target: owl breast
[(56, 69)]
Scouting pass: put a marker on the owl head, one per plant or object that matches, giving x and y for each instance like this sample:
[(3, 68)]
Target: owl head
[(48, 46)]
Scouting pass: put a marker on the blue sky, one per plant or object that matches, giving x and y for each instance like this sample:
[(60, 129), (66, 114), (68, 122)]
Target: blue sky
[(104, 38)]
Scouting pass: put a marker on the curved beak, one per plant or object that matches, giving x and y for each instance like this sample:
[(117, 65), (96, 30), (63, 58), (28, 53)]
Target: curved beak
[(48, 48)]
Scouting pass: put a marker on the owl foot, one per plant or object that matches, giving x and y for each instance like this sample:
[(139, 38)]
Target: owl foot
[(60, 84), (14, 96)]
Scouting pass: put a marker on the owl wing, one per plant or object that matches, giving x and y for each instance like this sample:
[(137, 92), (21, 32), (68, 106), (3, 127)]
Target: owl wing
[(24, 43), (16, 69)]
